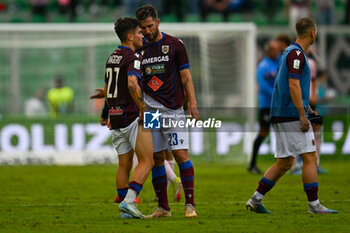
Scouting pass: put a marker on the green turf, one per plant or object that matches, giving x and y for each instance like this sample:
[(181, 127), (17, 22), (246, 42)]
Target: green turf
[(79, 199)]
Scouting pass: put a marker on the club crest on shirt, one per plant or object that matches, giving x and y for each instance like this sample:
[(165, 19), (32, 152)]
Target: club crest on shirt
[(165, 49), (298, 52)]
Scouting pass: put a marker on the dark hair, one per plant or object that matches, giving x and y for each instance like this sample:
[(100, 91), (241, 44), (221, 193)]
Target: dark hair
[(304, 25), (285, 38), (146, 11), (125, 25)]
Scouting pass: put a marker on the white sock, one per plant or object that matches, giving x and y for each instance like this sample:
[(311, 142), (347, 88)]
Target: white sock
[(313, 203), (258, 196), (172, 164), (130, 196), (169, 172)]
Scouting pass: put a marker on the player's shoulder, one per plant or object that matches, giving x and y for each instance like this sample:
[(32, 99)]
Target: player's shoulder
[(170, 38)]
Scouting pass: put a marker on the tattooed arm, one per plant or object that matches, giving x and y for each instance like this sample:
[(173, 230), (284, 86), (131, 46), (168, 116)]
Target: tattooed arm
[(187, 84), (136, 94)]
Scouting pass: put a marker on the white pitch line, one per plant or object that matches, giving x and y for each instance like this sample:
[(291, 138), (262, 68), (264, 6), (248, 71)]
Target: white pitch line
[(148, 203)]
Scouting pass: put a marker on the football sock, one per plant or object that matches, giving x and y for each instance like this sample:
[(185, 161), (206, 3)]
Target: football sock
[(172, 164), (311, 190), (122, 193), (133, 191), (169, 172), (187, 179), (159, 181), (257, 142), (264, 186)]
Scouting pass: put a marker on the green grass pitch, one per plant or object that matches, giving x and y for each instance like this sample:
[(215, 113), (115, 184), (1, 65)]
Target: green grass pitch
[(80, 199)]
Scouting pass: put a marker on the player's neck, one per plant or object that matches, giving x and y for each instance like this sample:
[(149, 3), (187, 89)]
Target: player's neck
[(304, 44), (158, 38), (129, 45)]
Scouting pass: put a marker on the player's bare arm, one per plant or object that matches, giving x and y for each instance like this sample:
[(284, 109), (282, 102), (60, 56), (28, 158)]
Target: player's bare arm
[(99, 95), (136, 94), (295, 93), (187, 84)]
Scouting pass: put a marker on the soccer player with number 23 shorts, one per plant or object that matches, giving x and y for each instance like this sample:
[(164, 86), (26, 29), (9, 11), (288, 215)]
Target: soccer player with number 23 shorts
[(166, 77)]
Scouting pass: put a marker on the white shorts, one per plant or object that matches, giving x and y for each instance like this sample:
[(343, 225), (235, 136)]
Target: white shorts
[(168, 138), (124, 139), (291, 141)]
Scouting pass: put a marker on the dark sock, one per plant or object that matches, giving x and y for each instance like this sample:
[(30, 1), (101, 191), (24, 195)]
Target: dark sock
[(311, 190), (257, 142), (159, 181), (187, 179), (265, 185), (135, 186), (122, 193)]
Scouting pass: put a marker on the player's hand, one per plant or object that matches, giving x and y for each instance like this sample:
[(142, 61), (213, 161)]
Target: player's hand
[(99, 95), (312, 112), (193, 111), (103, 121), (304, 124), (109, 125)]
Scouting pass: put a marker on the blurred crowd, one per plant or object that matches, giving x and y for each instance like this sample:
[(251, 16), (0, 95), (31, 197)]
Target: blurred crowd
[(326, 12)]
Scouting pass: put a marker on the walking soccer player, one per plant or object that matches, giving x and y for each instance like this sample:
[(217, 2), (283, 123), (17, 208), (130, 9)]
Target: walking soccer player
[(166, 77), (126, 106), (289, 117)]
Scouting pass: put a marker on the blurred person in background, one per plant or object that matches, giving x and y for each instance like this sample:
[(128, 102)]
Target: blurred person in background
[(270, 8), (39, 8), (283, 40), (60, 98), (266, 73), (35, 106), (325, 94), (217, 6), (177, 7), (297, 9), (224, 7), (325, 12), (69, 6), (347, 12)]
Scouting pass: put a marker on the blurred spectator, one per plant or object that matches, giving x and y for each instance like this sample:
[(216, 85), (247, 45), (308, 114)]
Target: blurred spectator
[(270, 8), (325, 94), (218, 6), (325, 12), (39, 8), (283, 40), (131, 6), (297, 9), (177, 7), (347, 12), (192, 6), (35, 106), (69, 6), (60, 98)]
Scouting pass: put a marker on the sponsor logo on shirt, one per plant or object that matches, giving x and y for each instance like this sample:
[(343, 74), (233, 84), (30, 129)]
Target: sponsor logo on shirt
[(155, 69), (116, 111), (155, 59), (165, 49), (296, 64), (298, 52), (155, 83)]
